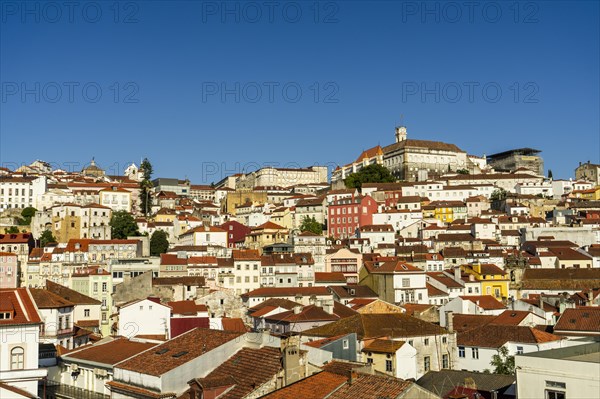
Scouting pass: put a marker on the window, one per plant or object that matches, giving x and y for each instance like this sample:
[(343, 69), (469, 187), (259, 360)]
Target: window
[(405, 282), (444, 340), (104, 287), (86, 313), (555, 395), (369, 360), (389, 365), (519, 350), (461, 351), (427, 363), (445, 362), (17, 358), (475, 353), (345, 344), (426, 341)]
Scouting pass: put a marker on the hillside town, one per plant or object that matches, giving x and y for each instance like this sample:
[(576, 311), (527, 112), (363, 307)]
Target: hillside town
[(416, 270)]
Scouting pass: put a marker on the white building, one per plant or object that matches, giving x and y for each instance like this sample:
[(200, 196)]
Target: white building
[(564, 373), (204, 235), (20, 191), (118, 199), (145, 317), (476, 347), (19, 339)]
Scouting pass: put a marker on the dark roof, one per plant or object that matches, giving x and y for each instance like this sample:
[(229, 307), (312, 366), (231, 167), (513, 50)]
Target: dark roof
[(561, 279), (70, 295), (353, 291), (441, 382), (377, 325), (45, 299)]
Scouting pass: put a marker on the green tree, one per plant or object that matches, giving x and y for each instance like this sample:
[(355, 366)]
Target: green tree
[(463, 171), (11, 230), (498, 195), (502, 362), (122, 225), (46, 237), (369, 174), (549, 173), (159, 243), (311, 224), (27, 214), (146, 187)]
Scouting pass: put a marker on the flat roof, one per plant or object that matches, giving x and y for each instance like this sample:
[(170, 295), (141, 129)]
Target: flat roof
[(516, 151), (588, 353)]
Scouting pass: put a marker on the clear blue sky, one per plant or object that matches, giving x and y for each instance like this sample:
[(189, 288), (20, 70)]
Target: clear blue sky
[(180, 81)]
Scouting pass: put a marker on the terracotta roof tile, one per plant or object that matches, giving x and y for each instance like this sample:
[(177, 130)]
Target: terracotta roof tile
[(194, 343), (494, 336), (317, 386), (109, 353)]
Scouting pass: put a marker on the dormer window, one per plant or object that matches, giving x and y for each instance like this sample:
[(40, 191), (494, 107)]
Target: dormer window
[(5, 315)]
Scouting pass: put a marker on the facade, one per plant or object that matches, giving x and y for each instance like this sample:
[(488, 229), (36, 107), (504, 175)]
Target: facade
[(9, 270), (282, 177), (21, 191), (570, 372), (419, 160), (588, 172), (73, 221), (19, 339), (117, 199), (510, 161), (347, 214), (145, 317), (346, 261), (395, 281)]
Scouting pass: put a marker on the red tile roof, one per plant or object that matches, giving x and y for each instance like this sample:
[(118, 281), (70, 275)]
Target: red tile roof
[(242, 368), (365, 386), (494, 336), (194, 343), (18, 302), (109, 353), (317, 386), (581, 320), (486, 302)]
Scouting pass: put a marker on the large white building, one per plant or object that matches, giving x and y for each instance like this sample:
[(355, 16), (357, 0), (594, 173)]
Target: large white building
[(418, 160), (565, 373), (282, 177), (20, 191)]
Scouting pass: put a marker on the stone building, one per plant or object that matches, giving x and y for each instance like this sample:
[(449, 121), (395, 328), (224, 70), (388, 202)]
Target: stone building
[(510, 161), (419, 160)]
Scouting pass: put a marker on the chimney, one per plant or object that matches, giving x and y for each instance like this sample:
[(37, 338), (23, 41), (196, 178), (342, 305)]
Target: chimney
[(450, 321), (297, 309), (328, 307), (457, 273), (541, 302)]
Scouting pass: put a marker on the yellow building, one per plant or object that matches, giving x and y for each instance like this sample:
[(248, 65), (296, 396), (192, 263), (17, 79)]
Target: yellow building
[(494, 281), (266, 234), (448, 211), (283, 217)]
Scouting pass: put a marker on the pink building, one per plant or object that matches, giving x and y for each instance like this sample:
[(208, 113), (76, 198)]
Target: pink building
[(9, 271)]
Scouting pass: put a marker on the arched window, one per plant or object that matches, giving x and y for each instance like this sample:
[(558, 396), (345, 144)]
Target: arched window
[(17, 355)]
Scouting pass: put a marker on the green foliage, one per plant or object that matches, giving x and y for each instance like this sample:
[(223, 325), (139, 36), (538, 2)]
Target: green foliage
[(498, 195), (11, 230), (369, 174), (122, 225), (311, 224), (46, 237), (146, 187), (502, 362), (27, 214), (159, 244), (463, 171)]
